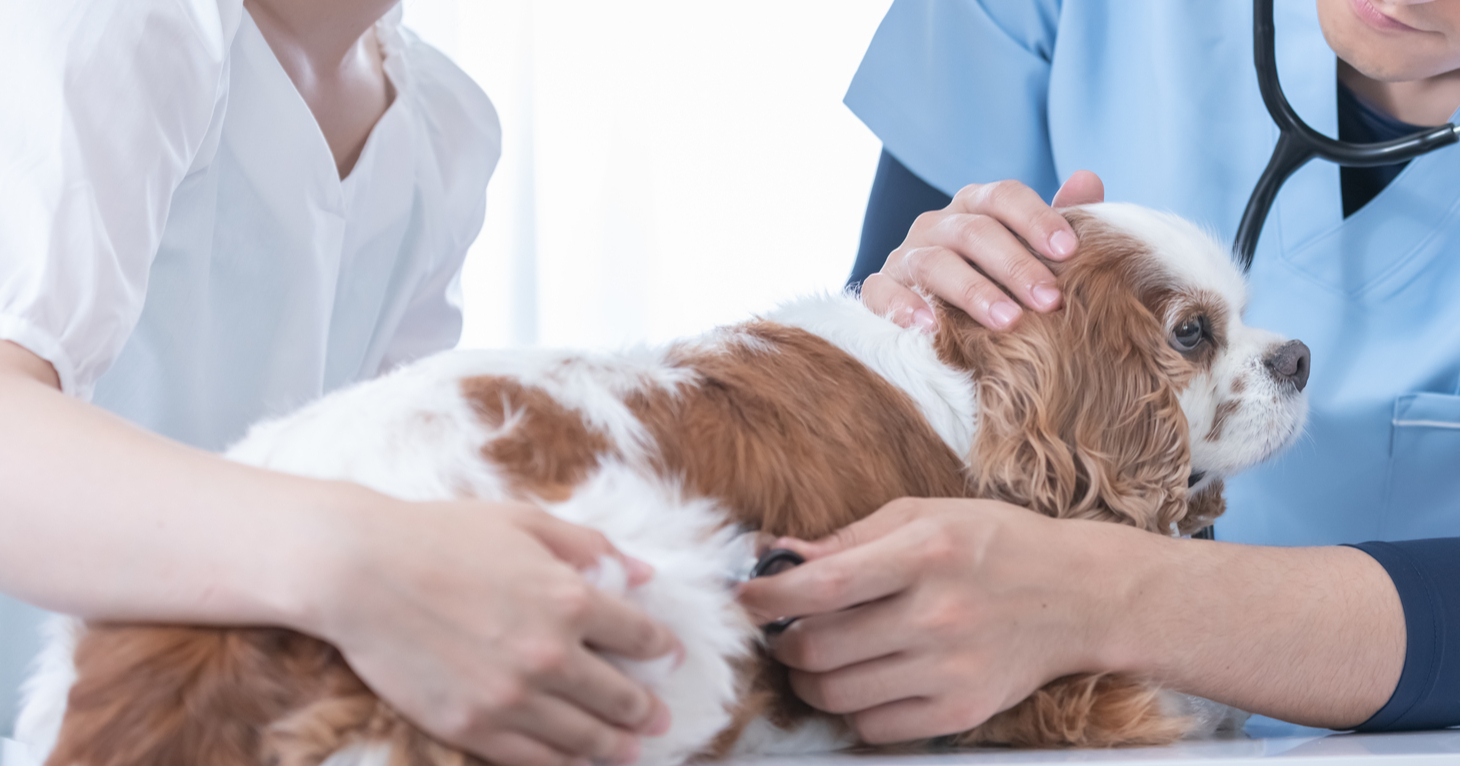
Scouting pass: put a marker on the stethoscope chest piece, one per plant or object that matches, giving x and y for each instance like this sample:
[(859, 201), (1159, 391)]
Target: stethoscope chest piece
[(774, 562)]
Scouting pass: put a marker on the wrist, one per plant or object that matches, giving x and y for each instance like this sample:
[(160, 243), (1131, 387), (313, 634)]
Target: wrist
[(1134, 576), (322, 556)]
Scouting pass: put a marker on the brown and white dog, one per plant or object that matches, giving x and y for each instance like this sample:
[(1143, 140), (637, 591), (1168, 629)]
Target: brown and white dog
[(1129, 405)]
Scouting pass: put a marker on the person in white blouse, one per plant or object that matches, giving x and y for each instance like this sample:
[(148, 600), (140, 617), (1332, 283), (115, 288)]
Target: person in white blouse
[(215, 210)]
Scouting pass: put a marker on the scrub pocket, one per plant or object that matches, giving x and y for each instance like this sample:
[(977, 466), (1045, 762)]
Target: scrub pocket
[(1424, 468)]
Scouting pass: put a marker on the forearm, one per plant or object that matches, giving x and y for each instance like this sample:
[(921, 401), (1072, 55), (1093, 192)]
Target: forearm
[(105, 520), (1310, 635)]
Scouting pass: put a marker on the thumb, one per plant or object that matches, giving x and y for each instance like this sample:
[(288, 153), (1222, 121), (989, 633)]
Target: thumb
[(581, 547), (876, 526), (1082, 187)]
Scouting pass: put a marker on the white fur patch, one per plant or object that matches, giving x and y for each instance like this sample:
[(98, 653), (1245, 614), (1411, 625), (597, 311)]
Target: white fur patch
[(691, 550), (1190, 255), (43, 696)]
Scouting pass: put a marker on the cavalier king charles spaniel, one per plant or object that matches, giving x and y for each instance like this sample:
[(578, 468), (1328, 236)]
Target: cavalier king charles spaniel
[(1129, 405)]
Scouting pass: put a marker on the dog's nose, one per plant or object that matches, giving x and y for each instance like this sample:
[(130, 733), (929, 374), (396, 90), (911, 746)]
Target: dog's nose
[(1289, 364)]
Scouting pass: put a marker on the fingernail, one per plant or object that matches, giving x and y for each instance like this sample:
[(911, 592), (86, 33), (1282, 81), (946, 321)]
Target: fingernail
[(680, 655), (1062, 244), (630, 753), (659, 725), (925, 321), (1003, 314), (1045, 295)]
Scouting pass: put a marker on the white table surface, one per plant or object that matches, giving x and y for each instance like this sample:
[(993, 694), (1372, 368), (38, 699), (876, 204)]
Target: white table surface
[(1328, 749), (1411, 749)]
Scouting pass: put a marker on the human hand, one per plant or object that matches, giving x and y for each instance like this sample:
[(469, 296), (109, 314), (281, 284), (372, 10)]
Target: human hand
[(966, 251), (930, 616), (479, 627)]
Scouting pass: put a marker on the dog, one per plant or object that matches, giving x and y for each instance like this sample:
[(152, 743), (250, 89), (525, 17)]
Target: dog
[(1129, 405)]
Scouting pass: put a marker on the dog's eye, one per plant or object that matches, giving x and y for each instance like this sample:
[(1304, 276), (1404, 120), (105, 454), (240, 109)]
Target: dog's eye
[(1189, 334)]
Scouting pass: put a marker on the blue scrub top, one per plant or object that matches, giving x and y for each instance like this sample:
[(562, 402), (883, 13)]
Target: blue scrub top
[(1160, 99)]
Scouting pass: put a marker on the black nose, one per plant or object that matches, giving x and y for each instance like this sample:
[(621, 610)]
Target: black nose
[(1289, 364)]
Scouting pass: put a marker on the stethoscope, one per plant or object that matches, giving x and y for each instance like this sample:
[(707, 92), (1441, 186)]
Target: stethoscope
[(1298, 143)]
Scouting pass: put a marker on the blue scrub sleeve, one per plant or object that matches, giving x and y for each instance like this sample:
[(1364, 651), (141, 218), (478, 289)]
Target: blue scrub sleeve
[(958, 90), (1427, 576), (898, 198)]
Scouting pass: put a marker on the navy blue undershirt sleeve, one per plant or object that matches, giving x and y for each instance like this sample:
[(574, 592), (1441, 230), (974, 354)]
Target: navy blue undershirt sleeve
[(1363, 123), (1427, 576), (898, 197)]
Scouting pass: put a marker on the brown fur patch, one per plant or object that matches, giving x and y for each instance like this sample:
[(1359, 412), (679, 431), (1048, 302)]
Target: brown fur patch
[(223, 697), (548, 450), (1224, 412), (1202, 304), (1204, 508), (800, 440), (1100, 710)]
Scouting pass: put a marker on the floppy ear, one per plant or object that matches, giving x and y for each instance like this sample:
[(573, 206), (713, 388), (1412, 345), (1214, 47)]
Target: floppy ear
[(1077, 413)]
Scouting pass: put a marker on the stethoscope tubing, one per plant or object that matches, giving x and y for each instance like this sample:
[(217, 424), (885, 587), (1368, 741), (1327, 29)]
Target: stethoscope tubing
[(1298, 142)]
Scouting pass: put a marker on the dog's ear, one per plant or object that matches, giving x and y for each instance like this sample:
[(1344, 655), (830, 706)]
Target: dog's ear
[(1077, 413)]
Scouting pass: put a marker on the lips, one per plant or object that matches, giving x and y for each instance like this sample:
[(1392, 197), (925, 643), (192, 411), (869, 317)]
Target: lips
[(1372, 16)]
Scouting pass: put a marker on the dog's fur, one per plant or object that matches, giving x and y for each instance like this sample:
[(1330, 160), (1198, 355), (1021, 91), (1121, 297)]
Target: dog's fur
[(795, 424)]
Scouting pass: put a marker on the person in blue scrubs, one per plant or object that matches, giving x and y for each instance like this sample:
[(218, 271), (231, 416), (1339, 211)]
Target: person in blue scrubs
[(1333, 592)]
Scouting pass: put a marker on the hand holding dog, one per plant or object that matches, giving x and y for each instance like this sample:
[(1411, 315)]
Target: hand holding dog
[(966, 251), (931, 615), (537, 694)]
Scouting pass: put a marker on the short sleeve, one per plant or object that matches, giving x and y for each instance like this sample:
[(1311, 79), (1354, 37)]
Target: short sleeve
[(118, 99), (463, 138), (957, 90), (1426, 574)]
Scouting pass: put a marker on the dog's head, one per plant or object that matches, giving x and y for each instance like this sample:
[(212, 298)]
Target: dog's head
[(1133, 402)]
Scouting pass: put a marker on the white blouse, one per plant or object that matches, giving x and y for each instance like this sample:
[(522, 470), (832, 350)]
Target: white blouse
[(174, 235)]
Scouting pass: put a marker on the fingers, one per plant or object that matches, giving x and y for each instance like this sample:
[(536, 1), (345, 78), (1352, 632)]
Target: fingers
[(565, 727), (945, 273), (601, 689), (580, 547), (856, 576), (989, 243), (1081, 188), (888, 298), (879, 524), (866, 685), (829, 642), (1021, 210), (970, 253), (915, 718), (615, 627), (510, 749)]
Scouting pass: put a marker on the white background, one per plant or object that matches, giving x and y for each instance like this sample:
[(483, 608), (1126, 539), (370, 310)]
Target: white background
[(668, 165)]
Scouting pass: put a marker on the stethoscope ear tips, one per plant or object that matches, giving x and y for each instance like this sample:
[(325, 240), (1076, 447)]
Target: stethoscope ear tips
[(771, 563)]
